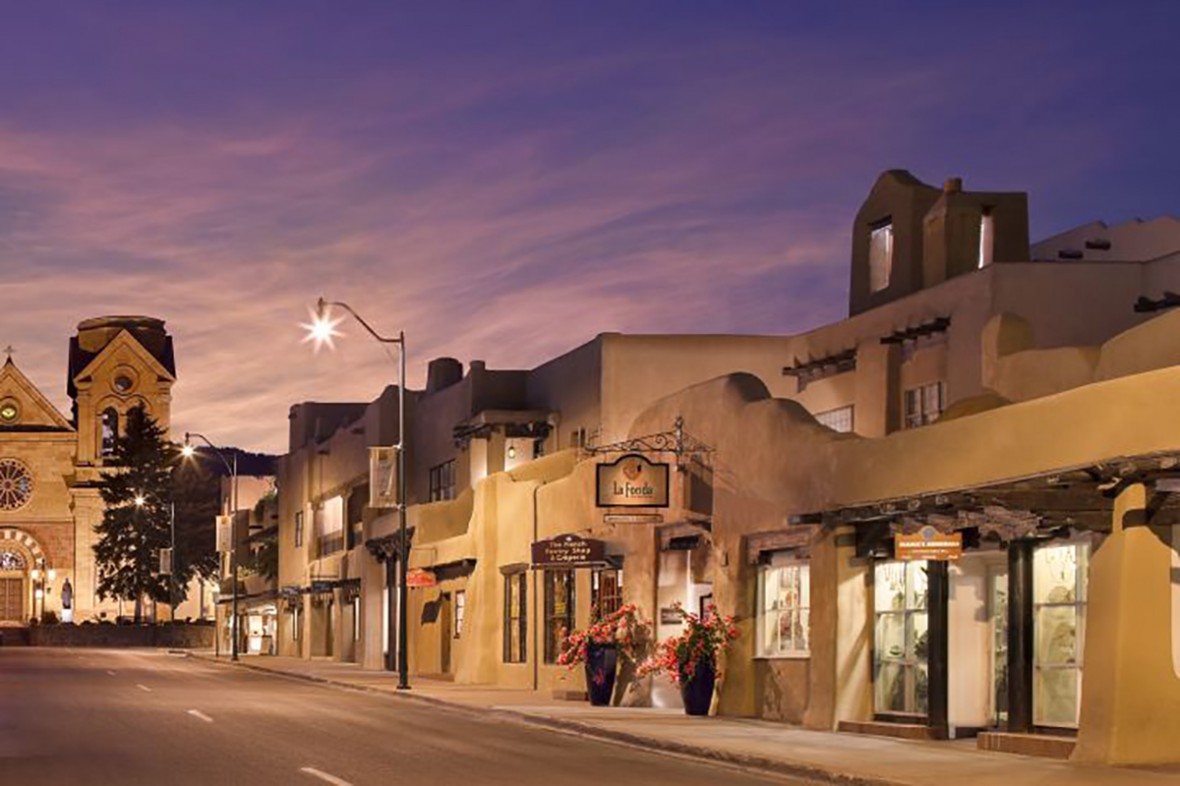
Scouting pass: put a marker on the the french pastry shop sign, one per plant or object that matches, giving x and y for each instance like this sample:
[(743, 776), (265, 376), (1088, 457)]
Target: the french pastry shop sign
[(568, 551), (632, 482)]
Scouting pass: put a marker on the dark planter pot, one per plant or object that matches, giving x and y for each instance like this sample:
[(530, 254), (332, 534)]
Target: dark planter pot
[(602, 663), (697, 692)]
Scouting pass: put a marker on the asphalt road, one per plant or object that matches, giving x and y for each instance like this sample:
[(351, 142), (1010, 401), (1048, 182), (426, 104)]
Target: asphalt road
[(145, 717)]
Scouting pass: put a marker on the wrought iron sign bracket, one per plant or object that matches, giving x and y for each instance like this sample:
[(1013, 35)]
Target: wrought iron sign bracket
[(677, 442)]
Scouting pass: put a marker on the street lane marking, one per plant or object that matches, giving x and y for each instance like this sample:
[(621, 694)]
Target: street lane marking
[(143, 688), (313, 772), (201, 715)]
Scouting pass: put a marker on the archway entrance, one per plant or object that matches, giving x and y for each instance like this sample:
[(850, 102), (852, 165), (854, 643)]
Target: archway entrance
[(14, 569), (19, 554)]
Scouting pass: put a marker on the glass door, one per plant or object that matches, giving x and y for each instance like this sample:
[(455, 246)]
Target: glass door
[(900, 674)]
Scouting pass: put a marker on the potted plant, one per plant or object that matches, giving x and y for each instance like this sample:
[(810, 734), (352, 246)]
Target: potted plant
[(690, 658), (622, 632)]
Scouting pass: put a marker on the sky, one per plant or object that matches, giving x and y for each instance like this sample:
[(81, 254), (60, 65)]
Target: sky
[(505, 180)]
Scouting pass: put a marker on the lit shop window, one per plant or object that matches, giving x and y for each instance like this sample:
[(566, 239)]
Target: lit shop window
[(839, 419), (880, 256), (784, 606), (924, 404), (1059, 613), (606, 592), (460, 612), (900, 646), (559, 610), (515, 617)]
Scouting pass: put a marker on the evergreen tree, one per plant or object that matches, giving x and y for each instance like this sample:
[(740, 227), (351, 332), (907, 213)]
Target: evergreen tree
[(137, 522)]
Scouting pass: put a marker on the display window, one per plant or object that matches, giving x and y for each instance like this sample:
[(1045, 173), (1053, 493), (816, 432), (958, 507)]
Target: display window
[(1060, 572), (784, 607), (901, 684)]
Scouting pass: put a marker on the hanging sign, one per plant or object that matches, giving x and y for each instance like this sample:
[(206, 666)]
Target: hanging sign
[(224, 533), (928, 544), (569, 551), (420, 578), (632, 481), (383, 477)]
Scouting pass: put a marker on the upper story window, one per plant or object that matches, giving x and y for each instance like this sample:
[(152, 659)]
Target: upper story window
[(109, 428), (924, 404), (442, 481), (880, 256), (987, 238), (329, 521), (839, 419)]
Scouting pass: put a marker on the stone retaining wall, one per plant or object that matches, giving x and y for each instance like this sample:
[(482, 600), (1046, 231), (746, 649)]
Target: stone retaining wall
[(180, 636)]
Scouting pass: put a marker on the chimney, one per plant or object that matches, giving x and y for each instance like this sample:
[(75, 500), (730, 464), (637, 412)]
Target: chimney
[(442, 373), (953, 185), (477, 365)]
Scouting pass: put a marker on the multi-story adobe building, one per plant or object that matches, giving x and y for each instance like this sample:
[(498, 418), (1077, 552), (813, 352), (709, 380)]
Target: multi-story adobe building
[(988, 388)]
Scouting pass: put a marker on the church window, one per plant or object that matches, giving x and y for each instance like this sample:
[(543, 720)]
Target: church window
[(123, 383), (9, 412), (16, 485), (109, 424), (10, 560)]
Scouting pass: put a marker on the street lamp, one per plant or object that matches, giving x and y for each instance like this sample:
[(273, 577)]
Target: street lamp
[(42, 585), (321, 331), (189, 450)]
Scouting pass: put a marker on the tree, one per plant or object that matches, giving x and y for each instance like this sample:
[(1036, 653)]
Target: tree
[(137, 522)]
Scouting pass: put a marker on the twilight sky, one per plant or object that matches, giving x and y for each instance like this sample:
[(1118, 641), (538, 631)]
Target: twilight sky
[(504, 180)]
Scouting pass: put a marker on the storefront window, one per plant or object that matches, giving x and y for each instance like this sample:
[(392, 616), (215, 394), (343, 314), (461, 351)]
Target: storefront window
[(606, 592), (460, 612), (559, 610), (515, 617), (784, 604), (998, 613), (900, 679), (1059, 613)]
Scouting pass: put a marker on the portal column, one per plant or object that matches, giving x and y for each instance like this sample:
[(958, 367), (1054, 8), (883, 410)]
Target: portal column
[(1130, 692)]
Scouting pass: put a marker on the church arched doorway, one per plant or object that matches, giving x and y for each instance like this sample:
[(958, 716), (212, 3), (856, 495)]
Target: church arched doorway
[(20, 553)]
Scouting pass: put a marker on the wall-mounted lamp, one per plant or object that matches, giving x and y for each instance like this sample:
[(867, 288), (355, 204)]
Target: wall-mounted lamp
[(512, 451)]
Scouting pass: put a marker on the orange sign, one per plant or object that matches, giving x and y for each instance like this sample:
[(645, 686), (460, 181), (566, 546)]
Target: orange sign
[(928, 543), (420, 578)]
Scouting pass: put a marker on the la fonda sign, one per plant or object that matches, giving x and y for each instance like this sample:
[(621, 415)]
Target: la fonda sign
[(632, 481)]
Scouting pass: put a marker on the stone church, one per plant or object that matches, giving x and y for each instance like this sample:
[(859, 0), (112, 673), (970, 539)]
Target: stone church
[(49, 464)]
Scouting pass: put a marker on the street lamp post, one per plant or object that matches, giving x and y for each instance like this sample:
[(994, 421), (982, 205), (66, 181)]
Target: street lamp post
[(322, 331), (232, 467), (43, 579)]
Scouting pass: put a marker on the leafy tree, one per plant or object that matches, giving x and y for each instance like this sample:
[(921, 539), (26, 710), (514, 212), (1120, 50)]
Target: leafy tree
[(137, 521)]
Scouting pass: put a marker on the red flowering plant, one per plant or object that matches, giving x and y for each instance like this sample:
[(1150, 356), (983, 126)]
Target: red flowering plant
[(700, 642), (624, 628)]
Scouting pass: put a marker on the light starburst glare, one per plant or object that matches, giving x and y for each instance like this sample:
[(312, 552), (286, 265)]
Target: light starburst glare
[(322, 328)]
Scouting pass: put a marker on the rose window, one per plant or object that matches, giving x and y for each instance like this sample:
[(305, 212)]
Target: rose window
[(16, 486)]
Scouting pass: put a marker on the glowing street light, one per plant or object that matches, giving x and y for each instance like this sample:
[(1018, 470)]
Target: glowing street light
[(321, 330), (140, 500), (189, 450)]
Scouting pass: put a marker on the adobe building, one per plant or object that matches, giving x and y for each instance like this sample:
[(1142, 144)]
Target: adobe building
[(982, 392), (50, 464)]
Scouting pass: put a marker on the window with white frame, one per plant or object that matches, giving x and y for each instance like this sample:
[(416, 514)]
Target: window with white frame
[(839, 419), (987, 238), (924, 404), (784, 607), (880, 256)]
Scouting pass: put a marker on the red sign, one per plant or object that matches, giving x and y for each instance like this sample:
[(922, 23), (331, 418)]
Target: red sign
[(421, 578)]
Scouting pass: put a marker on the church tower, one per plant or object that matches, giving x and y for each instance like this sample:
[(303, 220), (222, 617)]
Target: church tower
[(116, 364)]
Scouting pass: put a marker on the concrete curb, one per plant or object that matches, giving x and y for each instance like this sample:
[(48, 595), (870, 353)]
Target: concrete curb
[(810, 772)]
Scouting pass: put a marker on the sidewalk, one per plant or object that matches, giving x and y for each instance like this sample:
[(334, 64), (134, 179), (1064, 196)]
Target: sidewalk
[(823, 756)]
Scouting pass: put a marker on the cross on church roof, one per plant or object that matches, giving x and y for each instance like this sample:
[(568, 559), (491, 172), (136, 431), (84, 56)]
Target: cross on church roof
[(8, 350)]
